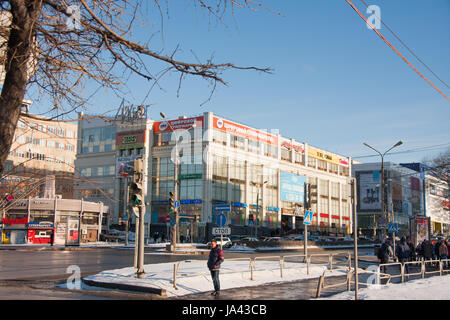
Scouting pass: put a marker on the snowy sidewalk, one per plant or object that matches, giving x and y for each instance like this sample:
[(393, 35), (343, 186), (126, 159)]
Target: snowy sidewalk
[(194, 277), (434, 288)]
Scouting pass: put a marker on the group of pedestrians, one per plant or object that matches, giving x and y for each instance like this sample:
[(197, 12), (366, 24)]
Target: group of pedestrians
[(157, 238), (405, 251)]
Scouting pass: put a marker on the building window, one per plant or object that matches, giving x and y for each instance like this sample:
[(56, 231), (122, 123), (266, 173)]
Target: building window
[(95, 149), (61, 132), (322, 165), (52, 130), (311, 162), (21, 124)]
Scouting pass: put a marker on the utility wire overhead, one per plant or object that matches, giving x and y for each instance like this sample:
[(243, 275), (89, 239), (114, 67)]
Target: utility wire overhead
[(393, 48)]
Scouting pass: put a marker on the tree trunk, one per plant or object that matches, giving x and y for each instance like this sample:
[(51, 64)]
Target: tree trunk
[(25, 14)]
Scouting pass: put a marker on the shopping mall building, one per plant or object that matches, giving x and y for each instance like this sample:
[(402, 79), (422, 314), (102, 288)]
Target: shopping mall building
[(221, 162)]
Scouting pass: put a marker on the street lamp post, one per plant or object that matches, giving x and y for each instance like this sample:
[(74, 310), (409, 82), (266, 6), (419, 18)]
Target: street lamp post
[(257, 207), (176, 231), (383, 207)]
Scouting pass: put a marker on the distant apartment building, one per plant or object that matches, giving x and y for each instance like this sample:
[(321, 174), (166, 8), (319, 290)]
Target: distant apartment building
[(436, 197), (411, 191), (41, 147), (229, 163)]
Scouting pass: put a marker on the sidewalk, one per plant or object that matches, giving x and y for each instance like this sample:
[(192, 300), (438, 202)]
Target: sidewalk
[(194, 277)]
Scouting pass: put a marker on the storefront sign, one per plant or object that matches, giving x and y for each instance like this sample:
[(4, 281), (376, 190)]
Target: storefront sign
[(326, 156), (130, 140), (15, 221), (178, 124), (191, 201), (189, 176), (273, 209), (446, 204), (244, 131), (288, 145), (239, 204), (40, 225)]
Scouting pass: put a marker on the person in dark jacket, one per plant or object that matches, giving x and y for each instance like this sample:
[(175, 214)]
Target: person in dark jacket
[(427, 249), (52, 237), (384, 253), (403, 252), (412, 251), (214, 261), (443, 252)]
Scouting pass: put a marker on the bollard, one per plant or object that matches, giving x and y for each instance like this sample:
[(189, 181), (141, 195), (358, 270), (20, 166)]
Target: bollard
[(175, 276), (330, 261), (281, 267), (308, 260), (319, 286), (349, 286), (252, 265)]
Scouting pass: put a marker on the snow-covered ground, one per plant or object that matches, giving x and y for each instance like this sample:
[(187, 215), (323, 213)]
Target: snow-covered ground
[(434, 288), (194, 277)]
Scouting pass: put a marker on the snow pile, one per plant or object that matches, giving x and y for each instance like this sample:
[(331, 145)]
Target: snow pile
[(194, 277), (434, 288)]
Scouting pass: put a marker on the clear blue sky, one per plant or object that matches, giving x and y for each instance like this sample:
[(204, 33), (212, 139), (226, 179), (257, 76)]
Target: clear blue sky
[(335, 83)]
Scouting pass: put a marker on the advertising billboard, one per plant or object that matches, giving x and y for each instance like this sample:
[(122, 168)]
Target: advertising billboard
[(185, 124), (369, 191), (130, 140), (292, 187), (326, 156), (244, 131), (125, 165)]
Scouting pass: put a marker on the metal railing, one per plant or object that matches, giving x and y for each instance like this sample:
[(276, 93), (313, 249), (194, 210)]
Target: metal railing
[(423, 268), (281, 262), (348, 281)]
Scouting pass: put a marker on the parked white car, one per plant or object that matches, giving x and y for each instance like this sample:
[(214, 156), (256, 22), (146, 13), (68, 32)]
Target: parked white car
[(225, 243)]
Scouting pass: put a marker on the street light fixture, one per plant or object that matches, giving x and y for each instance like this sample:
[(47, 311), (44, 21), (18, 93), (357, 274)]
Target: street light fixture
[(176, 231), (383, 207), (257, 206)]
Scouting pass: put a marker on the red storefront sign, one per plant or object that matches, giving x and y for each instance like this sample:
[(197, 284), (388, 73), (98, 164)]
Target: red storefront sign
[(15, 221), (446, 204), (289, 146), (166, 126), (244, 131)]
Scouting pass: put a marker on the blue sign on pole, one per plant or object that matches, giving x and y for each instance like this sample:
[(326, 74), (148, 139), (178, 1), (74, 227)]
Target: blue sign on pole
[(176, 204), (392, 227), (221, 220), (308, 217)]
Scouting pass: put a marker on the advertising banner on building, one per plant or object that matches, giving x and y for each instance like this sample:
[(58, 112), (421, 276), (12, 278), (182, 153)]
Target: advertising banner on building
[(326, 156), (369, 191), (130, 140), (298, 147), (125, 165), (292, 187), (420, 229), (244, 131), (396, 192), (185, 124)]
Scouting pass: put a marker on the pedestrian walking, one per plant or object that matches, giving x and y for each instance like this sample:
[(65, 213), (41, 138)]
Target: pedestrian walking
[(427, 248), (384, 253), (182, 238), (443, 252), (155, 237), (163, 237), (403, 252), (412, 251), (214, 261), (52, 237)]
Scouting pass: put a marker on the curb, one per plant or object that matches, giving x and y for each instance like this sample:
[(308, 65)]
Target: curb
[(127, 287)]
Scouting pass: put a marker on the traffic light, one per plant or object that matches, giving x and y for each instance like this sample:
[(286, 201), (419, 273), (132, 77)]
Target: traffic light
[(307, 196), (136, 187), (171, 201)]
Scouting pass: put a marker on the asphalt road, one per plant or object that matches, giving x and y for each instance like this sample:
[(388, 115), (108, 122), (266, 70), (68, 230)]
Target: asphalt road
[(34, 274)]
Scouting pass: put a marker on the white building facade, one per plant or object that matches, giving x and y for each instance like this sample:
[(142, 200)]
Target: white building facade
[(225, 162)]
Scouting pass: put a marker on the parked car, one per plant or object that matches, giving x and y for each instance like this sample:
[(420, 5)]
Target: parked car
[(272, 239), (226, 243), (249, 239)]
